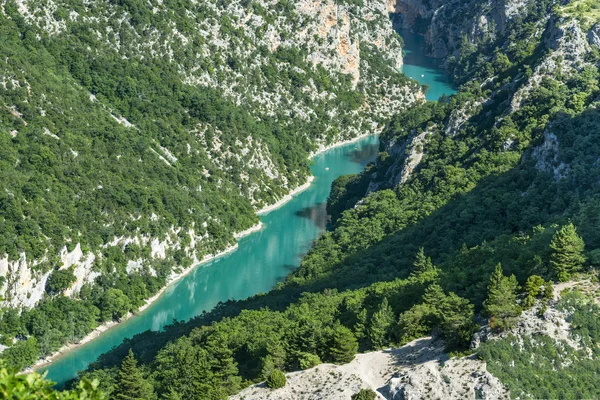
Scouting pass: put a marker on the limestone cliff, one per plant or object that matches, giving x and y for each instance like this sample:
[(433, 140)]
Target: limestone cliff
[(331, 68)]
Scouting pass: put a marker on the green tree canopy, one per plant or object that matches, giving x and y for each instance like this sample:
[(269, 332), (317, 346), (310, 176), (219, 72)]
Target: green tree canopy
[(34, 387), (364, 394), (343, 345), (276, 379), (59, 280), (130, 383), (381, 322), (501, 303), (567, 253)]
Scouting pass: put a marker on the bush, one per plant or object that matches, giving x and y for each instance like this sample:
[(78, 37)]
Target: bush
[(308, 360), (364, 394), (59, 280), (276, 379)]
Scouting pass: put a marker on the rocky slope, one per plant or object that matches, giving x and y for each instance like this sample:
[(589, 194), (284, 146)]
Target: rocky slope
[(417, 370), (568, 45), (446, 23), (322, 71), (421, 369)]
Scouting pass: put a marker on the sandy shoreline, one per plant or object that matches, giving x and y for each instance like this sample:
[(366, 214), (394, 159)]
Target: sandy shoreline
[(286, 198), (109, 324), (174, 278), (290, 195)]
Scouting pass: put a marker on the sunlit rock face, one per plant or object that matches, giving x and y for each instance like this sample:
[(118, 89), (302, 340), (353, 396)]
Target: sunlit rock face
[(445, 23)]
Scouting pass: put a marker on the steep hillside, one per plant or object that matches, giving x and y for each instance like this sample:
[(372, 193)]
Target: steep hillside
[(137, 138), (476, 204)]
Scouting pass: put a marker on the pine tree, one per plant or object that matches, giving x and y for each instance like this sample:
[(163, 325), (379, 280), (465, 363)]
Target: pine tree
[(343, 345), (501, 304), (423, 269), (130, 383), (532, 290), (380, 325), (360, 328), (567, 253)]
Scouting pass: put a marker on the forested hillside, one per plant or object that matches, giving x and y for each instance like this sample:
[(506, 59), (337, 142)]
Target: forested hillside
[(480, 210), (136, 138), (477, 205)]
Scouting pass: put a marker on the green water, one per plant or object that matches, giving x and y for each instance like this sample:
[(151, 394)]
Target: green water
[(424, 69), (262, 259)]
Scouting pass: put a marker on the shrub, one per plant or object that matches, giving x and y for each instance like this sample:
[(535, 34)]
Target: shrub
[(59, 280), (364, 394), (308, 360), (276, 379)]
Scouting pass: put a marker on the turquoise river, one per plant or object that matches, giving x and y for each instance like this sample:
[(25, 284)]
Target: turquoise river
[(264, 257)]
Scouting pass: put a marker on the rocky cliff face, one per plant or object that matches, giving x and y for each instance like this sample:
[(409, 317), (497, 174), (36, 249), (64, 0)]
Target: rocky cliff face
[(415, 371), (446, 23), (567, 46)]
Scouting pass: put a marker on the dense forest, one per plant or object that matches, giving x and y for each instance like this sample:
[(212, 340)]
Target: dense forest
[(497, 210), (124, 130), (501, 205)]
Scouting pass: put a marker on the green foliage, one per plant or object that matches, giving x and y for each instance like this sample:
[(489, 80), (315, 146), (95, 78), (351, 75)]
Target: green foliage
[(544, 368), (343, 345), (21, 354), (115, 304), (276, 379), (423, 268), (59, 280), (450, 314), (33, 386), (381, 324), (567, 253), (112, 135), (130, 383), (364, 394), (308, 360), (478, 199), (534, 287), (501, 304)]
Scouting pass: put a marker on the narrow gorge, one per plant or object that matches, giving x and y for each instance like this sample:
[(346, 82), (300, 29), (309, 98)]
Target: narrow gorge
[(449, 249)]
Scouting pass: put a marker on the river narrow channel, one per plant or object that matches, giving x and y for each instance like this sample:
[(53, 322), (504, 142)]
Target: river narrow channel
[(265, 257)]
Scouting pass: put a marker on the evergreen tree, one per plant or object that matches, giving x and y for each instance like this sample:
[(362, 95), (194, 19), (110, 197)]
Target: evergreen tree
[(532, 290), (130, 383), (423, 269), (456, 321), (360, 328), (501, 304), (381, 322), (343, 345), (567, 253)]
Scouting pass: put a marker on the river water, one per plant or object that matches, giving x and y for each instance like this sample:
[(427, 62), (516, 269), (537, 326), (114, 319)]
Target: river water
[(424, 69), (265, 257), (262, 259)]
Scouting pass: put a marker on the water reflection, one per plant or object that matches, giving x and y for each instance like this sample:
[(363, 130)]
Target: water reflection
[(317, 214), (368, 152)]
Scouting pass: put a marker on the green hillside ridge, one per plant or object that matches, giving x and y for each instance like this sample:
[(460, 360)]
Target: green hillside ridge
[(496, 201), (138, 138), (476, 205)]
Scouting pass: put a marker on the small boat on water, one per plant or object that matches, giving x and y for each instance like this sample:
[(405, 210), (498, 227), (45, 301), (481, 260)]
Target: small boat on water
[(326, 168)]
